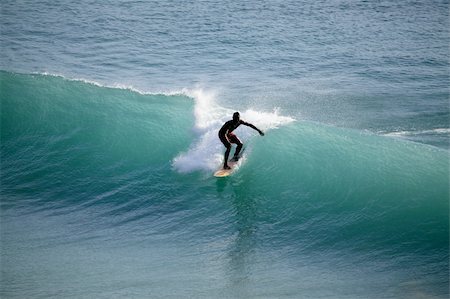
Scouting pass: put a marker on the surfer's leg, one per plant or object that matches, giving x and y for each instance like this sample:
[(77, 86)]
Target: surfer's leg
[(238, 150), (225, 160), (227, 152), (234, 139)]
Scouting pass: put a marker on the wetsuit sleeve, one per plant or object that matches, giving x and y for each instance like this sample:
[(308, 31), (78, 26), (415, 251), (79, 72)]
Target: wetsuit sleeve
[(251, 126)]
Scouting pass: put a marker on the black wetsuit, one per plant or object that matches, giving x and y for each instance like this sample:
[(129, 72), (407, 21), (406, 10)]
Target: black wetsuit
[(227, 137), (226, 133)]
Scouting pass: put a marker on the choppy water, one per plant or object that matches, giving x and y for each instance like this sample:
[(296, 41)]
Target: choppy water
[(109, 119)]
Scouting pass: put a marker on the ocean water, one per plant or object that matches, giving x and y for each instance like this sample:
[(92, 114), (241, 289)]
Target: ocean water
[(109, 120)]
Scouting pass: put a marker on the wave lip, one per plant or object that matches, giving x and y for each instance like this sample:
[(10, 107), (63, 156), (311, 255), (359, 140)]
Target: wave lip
[(129, 87)]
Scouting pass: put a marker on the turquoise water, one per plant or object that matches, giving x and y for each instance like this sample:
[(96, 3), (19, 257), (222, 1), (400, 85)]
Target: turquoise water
[(380, 66), (109, 119), (108, 192)]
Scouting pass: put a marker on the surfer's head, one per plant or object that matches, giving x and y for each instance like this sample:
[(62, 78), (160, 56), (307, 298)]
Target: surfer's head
[(236, 116)]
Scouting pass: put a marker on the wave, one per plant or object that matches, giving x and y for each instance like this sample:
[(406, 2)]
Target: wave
[(67, 144)]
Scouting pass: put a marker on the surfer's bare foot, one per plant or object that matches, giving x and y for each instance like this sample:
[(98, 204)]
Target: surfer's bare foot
[(226, 167)]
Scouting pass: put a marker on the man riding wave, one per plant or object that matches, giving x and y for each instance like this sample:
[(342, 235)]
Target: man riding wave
[(227, 137)]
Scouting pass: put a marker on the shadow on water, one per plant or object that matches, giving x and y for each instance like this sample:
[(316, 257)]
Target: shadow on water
[(241, 250)]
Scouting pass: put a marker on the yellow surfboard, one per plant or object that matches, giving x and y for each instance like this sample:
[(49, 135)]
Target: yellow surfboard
[(221, 173), (226, 172)]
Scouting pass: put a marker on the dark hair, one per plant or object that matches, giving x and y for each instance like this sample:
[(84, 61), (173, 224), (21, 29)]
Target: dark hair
[(236, 115)]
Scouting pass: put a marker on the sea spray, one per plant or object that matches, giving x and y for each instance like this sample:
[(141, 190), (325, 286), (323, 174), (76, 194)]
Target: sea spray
[(206, 151)]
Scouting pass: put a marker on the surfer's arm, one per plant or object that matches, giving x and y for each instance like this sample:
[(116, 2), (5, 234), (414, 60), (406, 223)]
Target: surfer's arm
[(253, 127)]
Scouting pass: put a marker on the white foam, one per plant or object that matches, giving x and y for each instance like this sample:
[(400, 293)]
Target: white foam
[(206, 151), (420, 132), (116, 85)]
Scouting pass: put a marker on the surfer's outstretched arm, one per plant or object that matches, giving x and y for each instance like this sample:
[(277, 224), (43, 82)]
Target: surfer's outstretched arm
[(253, 127)]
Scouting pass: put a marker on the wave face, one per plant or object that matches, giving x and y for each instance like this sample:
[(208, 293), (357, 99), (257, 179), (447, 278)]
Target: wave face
[(125, 176)]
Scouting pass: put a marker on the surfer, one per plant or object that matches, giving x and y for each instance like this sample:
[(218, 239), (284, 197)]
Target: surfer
[(227, 137)]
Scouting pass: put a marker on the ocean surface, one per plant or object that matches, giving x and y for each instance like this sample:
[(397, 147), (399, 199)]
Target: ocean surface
[(109, 120)]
